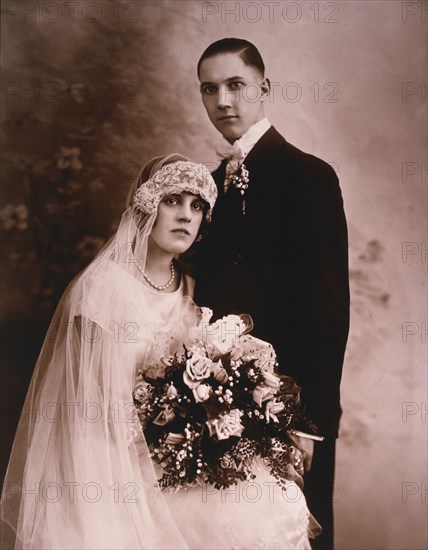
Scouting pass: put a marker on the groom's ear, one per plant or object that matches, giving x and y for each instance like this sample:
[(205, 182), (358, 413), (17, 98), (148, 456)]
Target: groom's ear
[(265, 88)]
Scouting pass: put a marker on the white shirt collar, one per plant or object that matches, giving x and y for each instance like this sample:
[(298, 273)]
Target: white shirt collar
[(253, 134), (242, 146)]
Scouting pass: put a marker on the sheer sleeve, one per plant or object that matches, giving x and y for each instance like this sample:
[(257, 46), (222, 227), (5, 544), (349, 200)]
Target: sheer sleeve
[(77, 477)]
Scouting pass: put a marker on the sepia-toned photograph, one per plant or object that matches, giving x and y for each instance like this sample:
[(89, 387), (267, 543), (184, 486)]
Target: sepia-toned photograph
[(214, 296)]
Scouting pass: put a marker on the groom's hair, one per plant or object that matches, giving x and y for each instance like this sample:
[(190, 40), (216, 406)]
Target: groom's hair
[(249, 54)]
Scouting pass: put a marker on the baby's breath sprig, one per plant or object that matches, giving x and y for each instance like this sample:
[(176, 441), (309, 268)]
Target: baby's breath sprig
[(240, 181)]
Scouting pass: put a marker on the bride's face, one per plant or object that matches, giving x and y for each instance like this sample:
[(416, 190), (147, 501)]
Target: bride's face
[(177, 223)]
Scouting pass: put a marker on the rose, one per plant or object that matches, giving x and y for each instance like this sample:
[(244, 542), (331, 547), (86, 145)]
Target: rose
[(198, 368), (268, 365), (143, 392), (224, 333), (174, 439), (201, 393), (219, 372), (271, 381), (262, 394), (236, 352), (165, 416), (272, 409), (226, 425)]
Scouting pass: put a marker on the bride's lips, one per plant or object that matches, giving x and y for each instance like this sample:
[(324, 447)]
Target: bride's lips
[(181, 230)]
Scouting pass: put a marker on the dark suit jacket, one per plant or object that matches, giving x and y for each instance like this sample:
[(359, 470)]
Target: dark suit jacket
[(285, 262)]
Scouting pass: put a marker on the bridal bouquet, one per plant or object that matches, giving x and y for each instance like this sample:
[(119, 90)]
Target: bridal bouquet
[(218, 407)]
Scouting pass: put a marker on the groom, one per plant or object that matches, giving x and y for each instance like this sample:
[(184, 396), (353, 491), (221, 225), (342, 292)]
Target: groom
[(277, 249)]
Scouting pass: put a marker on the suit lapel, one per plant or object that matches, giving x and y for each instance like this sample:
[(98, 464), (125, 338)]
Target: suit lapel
[(263, 151), (256, 162)]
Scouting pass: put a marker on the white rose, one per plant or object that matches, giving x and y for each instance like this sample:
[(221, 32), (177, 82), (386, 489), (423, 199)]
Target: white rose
[(272, 409), (198, 368), (224, 333), (236, 352), (226, 425), (271, 381), (219, 373), (143, 392), (201, 393), (262, 394)]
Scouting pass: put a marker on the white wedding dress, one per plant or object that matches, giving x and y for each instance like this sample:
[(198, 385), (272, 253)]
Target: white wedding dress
[(249, 515), (80, 475)]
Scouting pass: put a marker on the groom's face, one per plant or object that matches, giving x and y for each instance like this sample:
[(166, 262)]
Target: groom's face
[(233, 94)]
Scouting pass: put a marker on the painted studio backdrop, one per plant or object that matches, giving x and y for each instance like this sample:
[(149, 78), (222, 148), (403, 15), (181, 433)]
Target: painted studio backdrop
[(92, 89)]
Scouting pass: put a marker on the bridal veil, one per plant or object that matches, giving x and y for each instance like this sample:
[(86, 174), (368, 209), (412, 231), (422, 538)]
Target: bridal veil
[(77, 477)]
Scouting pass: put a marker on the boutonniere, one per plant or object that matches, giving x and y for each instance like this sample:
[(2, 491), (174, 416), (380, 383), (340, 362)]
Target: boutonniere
[(240, 181)]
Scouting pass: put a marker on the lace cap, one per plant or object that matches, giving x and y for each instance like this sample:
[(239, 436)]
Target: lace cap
[(176, 177)]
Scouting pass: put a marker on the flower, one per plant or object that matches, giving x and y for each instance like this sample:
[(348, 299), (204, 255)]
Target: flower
[(262, 394), (201, 393), (172, 392), (143, 392), (174, 439), (219, 373), (236, 352), (12, 216), (208, 416), (68, 157), (226, 425), (240, 179), (198, 368), (222, 335), (271, 381), (272, 409), (166, 415)]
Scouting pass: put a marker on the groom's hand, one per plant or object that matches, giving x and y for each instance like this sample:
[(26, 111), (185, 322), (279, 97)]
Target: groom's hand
[(306, 446)]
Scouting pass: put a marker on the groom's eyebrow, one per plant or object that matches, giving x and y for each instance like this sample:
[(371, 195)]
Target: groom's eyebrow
[(230, 79)]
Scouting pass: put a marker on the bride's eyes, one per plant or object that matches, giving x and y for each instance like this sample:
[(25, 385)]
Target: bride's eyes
[(170, 200), (198, 205)]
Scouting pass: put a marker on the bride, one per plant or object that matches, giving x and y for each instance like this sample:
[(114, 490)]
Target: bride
[(80, 473)]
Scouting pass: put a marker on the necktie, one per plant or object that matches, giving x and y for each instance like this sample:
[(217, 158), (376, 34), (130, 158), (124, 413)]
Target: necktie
[(234, 154)]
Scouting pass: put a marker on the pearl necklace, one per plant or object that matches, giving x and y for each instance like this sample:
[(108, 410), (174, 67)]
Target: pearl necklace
[(151, 283)]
